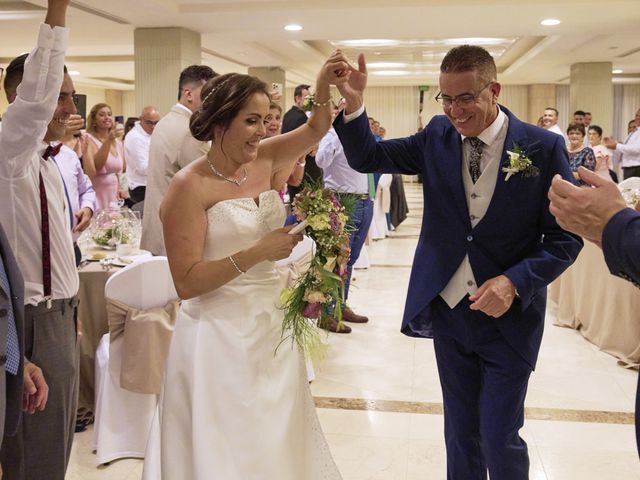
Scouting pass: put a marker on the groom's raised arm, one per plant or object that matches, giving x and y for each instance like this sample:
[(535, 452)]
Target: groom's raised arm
[(363, 153), (557, 249)]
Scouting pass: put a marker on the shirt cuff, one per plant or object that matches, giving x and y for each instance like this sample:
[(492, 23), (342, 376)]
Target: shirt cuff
[(354, 115), (56, 38)]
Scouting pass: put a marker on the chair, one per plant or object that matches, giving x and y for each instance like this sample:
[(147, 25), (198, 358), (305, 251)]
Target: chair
[(631, 183), (122, 417)]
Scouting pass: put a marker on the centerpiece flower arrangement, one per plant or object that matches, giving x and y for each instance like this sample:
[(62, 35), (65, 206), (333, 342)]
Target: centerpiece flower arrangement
[(319, 292)]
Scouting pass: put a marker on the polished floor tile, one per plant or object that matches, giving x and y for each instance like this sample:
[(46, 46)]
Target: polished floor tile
[(373, 381)]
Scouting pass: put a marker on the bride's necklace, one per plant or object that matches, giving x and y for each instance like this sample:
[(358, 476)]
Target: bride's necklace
[(235, 181)]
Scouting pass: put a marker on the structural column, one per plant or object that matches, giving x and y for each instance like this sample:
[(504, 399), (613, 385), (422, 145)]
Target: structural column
[(591, 90), (271, 75), (160, 55)]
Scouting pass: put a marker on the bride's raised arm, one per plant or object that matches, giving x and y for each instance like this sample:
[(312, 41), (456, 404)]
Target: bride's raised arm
[(284, 150)]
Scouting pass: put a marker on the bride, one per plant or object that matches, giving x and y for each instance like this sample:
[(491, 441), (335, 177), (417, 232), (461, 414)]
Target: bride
[(234, 408)]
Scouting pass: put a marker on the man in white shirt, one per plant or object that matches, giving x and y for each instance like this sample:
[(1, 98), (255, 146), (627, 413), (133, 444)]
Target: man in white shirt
[(172, 148), (35, 216), (629, 151), (339, 176), (136, 151), (550, 121)]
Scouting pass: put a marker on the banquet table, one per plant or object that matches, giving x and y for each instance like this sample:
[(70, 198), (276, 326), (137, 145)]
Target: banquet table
[(605, 309), (92, 317)]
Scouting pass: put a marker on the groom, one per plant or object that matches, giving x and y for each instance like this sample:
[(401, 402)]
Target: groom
[(487, 250)]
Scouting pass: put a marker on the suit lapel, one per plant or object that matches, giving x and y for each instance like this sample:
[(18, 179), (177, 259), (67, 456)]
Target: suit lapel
[(506, 189)]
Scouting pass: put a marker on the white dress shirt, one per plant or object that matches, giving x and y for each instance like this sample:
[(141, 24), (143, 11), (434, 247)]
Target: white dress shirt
[(630, 150), (77, 183), (338, 175), (479, 196), (21, 147), (136, 153)]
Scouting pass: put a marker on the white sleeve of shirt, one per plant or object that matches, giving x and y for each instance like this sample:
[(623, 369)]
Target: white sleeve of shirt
[(354, 115), (327, 150), (136, 151), (632, 147), (25, 121)]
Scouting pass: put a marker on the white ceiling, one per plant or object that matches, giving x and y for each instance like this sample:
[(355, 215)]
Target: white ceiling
[(237, 34)]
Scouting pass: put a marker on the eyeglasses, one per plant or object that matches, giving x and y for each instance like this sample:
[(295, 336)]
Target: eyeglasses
[(151, 123), (461, 101)]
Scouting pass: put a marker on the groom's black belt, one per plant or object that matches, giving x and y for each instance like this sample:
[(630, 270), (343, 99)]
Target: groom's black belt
[(359, 196)]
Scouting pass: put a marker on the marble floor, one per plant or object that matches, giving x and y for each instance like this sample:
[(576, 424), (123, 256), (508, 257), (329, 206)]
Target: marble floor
[(380, 404)]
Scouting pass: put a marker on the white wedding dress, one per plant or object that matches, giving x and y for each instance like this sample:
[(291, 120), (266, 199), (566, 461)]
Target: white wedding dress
[(232, 407)]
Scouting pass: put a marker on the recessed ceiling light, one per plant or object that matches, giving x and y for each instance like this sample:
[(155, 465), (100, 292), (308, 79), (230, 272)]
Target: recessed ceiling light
[(617, 70), (74, 73), (549, 22), (386, 65), (293, 27)]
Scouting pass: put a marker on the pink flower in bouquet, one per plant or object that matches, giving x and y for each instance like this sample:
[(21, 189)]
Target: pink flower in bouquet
[(312, 310), (334, 221)]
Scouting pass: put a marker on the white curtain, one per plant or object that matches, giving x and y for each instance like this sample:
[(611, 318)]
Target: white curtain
[(516, 99), (626, 101)]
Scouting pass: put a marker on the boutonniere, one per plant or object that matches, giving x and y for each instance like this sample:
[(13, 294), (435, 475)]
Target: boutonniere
[(519, 162)]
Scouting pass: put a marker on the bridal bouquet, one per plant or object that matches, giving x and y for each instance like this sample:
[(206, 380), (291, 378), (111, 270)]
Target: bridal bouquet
[(320, 290)]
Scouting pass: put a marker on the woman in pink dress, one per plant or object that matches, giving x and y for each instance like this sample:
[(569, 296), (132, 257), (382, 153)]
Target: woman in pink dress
[(103, 159)]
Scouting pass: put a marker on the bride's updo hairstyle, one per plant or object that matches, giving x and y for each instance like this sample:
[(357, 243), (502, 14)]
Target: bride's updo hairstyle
[(223, 97)]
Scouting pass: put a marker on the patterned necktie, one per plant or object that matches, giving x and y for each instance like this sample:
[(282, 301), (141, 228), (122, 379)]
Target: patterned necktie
[(371, 186), (474, 157), (13, 347)]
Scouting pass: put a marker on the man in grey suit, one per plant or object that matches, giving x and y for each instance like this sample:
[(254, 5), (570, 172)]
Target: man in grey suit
[(172, 148), (22, 385)]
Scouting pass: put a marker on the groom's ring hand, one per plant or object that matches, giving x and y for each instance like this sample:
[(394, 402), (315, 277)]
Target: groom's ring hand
[(494, 297)]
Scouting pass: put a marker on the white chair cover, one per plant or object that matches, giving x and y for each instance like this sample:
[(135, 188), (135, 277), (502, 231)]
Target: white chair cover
[(123, 418), (631, 183)]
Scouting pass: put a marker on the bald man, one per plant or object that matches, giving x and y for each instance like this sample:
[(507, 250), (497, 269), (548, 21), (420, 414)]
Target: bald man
[(136, 152)]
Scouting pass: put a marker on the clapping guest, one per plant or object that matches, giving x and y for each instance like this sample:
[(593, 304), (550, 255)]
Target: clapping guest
[(579, 155), (104, 156), (604, 168)]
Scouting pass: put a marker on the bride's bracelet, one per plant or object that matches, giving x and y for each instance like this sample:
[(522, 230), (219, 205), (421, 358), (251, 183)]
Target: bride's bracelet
[(321, 104), (240, 271)]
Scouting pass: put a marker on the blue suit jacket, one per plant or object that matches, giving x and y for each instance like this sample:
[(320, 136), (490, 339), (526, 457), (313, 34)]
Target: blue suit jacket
[(11, 397), (621, 245), (517, 237)]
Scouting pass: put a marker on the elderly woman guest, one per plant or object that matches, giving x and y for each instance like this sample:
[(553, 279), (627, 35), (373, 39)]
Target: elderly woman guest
[(103, 159), (579, 155), (234, 406)]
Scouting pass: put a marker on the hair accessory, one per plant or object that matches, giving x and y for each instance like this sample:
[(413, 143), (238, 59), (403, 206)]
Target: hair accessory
[(213, 90)]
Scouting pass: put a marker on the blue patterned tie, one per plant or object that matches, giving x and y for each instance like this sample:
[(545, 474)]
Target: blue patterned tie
[(13, 348), (474, 157)]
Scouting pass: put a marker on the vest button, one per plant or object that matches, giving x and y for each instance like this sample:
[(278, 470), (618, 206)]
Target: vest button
[(474, 195), (470, 238), (473, 217), (470, 282)]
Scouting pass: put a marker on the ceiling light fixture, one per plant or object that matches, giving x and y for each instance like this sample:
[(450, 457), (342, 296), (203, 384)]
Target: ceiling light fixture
[(616, 71), (386, 65), (391, 73), (74, 73), (368, 42), (549, 22), (293, 27)]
